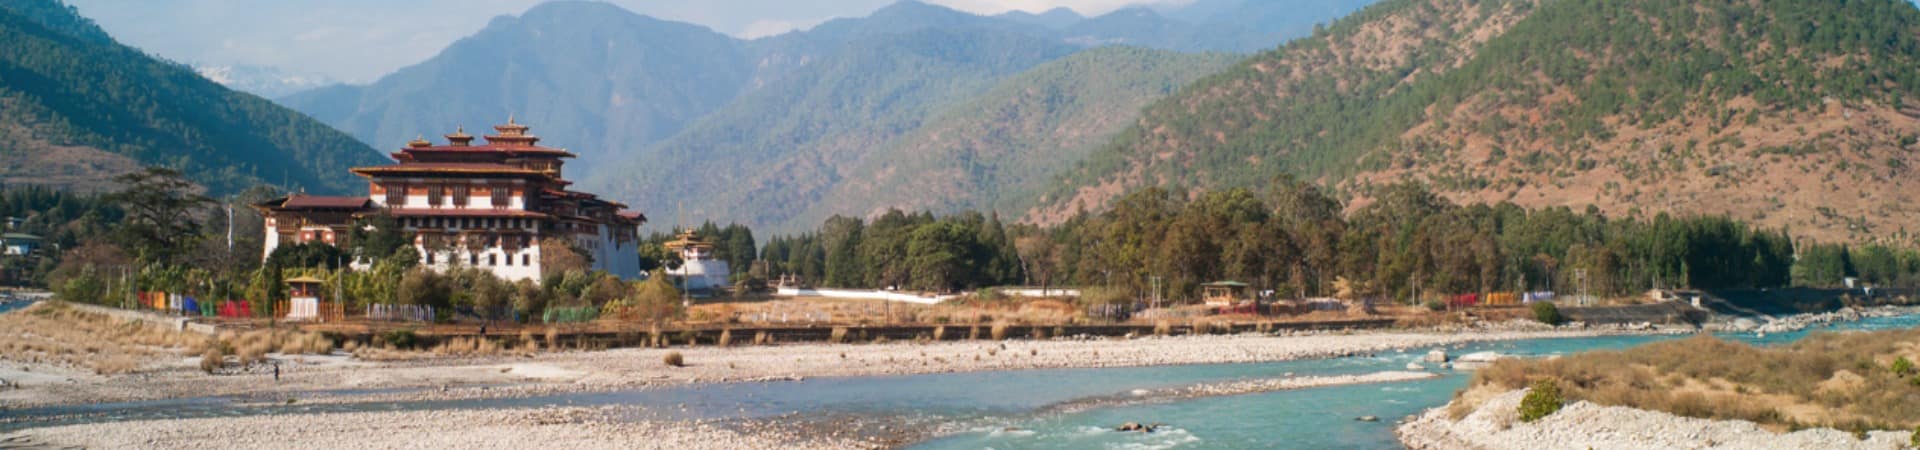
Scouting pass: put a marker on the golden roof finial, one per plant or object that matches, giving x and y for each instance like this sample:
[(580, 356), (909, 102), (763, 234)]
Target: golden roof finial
[(510, 119)]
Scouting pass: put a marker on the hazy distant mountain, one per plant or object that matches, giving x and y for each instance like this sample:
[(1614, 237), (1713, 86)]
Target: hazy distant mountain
[(753, 131), (591, 77), (1053, 18), (775, 151), (77, 108), (260, 80), (993, 150)]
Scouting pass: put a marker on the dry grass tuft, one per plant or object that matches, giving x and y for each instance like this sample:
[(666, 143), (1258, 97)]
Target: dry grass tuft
[(838, 336), (674, 359), (726, 338), (63, 335), (999, 331), (1839, 380)]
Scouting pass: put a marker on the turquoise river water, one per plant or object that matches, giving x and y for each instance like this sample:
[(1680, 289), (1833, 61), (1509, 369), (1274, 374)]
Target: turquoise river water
[(1060, 408)]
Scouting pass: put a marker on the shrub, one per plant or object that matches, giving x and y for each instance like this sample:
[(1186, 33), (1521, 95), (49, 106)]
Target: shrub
[(402, 338), (1547, 313), (212, 359), (1915, 440), (674, 359), (1902, 366), (1542, 399), (1435, 305)]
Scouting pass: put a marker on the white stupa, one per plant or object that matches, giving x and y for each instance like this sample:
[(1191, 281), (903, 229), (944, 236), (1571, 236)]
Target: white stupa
[(697, 265)]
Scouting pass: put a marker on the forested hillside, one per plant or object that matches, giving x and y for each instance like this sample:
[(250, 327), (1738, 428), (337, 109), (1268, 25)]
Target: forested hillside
[(77, 108), (1786, 113)]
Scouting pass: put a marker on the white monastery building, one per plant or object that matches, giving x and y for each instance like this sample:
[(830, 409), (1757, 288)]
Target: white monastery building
[(485, 206)]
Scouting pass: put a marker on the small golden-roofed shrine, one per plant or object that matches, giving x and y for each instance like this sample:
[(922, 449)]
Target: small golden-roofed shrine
[(698, 268), (1223, 293), (687, 239)]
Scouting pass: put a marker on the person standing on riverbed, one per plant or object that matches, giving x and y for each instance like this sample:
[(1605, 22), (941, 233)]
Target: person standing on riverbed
[(276, 371)]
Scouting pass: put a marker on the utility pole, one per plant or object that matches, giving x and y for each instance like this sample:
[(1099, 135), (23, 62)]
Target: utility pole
[(1154, 284), (229, 230)]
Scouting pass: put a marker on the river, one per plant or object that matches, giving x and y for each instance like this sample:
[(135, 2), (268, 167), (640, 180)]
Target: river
[(1056, 408)]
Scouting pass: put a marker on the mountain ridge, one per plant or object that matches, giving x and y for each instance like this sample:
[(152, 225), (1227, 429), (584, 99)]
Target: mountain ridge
[(81, 108), (1537, 109)]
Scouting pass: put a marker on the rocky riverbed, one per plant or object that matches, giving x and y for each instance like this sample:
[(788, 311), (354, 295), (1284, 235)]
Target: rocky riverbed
[(547, 428), (1583, 425), (340, 378)]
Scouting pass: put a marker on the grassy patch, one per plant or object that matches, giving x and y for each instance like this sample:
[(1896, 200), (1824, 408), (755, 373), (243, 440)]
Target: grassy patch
[(1839, 380), (59, 334)]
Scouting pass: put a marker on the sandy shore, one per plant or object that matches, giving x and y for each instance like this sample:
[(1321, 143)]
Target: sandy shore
[(1583, 425)]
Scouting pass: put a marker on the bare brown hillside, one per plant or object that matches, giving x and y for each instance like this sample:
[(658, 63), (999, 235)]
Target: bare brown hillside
[(26, 160), (1784, 113), (1838, 174)]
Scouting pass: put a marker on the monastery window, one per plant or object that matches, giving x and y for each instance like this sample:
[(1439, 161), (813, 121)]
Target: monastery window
[(473, 259), (430, 258), (500, 199), (509, 260), (525, 260), (396, 195), (491, 261), (461, 193), (436, 195)]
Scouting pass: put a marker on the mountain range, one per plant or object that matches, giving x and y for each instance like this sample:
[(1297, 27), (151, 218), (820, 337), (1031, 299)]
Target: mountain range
[(672, 116), (263, 81), (1795, 114), (1790, 114), (77, 108)]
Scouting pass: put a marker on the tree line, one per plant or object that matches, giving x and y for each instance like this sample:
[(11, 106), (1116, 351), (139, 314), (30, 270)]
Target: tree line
[(1291, 238), (1296, 240)]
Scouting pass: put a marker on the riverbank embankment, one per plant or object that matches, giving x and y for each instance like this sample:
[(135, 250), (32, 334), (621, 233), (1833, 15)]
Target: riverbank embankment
[(1582, 425)]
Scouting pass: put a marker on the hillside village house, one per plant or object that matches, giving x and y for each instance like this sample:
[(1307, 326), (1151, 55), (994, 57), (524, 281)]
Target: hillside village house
[(485, 206), (19, 244)]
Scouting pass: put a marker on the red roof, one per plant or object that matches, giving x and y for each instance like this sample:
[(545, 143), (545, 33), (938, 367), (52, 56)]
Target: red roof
[(463, 212), (564, 193), (322, 202), (449, 167), (490, 147)]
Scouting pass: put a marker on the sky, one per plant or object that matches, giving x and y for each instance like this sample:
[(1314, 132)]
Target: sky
[(358, 41)]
